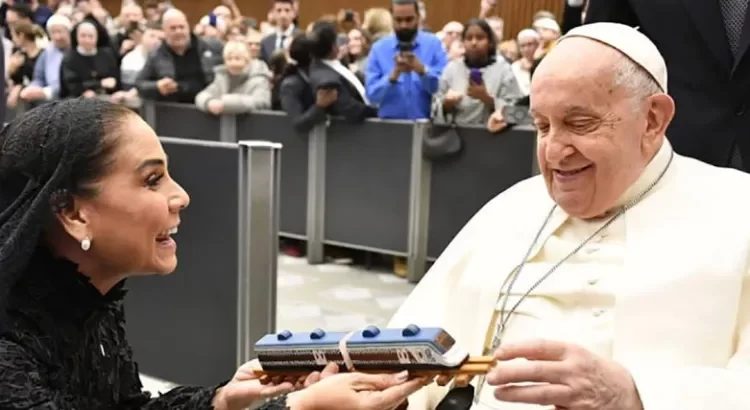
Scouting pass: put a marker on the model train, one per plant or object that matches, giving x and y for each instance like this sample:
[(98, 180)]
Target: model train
[(421, 351)]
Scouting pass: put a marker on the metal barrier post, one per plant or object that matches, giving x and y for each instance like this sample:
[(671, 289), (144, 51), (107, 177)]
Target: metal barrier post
[(228, 128), (258, 254), (148, 109), (419, 205), (316, 183)]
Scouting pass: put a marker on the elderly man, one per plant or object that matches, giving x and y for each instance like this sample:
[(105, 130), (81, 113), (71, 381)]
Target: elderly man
[(618, 278), (182, 66)]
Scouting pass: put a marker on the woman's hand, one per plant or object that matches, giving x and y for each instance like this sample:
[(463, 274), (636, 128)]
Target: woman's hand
[(356, 391), (245, 388)]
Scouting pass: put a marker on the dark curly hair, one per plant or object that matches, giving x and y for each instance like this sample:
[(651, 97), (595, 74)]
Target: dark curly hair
[(48, 156)]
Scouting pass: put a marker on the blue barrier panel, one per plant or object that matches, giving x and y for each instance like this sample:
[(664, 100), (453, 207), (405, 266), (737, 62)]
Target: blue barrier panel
[(185, 121), (183, 327), (276, 127), (488, 165), (367, 185)]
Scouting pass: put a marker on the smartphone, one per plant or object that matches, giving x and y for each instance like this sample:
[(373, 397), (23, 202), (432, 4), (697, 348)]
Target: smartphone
[(476, 76), (517, 115)]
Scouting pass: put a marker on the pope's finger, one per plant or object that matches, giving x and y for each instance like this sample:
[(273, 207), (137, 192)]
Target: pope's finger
[(527, 371), (533, 350), (542, 394)]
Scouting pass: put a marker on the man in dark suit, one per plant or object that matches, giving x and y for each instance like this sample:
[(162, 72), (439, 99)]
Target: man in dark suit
[(327, 73), (284, 11), (705, 44)]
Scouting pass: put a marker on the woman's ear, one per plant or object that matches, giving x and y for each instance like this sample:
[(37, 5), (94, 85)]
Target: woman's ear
[(74, 220)]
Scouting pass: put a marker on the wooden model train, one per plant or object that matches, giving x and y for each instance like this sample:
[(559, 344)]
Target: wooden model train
[(425, 352)]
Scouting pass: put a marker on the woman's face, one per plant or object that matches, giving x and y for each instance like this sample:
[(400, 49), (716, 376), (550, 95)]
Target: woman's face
[(457, 50), (86, 36), (137, 205), (234, 34), (476, 42), (356, 42), (236, 61), (19, 39), (528, 47)]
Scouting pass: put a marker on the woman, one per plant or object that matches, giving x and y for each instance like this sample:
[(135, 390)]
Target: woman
[(22, 61), (241, 85), (305, 108), (358, 47), (378, 22), (473, 87), (89, 69), (86, 200), (528, 43)]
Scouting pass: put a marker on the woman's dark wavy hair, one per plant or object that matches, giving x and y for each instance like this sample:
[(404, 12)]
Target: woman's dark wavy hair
[(300, 51), (492, 40), (48, 156)]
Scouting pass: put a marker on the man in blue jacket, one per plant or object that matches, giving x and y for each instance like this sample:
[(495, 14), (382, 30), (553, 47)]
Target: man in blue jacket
[(404, 69)]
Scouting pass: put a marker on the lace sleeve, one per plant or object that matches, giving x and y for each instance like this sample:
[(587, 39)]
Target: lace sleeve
[(21, 382)]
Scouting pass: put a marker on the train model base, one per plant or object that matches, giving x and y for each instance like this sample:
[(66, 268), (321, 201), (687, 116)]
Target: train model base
[(461, 376)]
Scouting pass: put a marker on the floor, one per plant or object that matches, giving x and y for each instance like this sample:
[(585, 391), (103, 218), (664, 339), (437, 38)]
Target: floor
[(333, 297)]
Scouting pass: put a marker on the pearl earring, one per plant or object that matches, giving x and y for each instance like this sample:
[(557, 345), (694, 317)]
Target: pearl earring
[(86, 244)]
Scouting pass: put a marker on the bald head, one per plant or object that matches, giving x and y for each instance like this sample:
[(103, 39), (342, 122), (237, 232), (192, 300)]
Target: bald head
[(173, 15), (601, 118), (176, 30)]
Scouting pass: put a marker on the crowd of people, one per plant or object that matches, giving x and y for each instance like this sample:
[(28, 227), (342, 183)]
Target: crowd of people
[(387, 64)]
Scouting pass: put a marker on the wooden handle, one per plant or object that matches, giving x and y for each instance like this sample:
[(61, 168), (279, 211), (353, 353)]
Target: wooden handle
[(472, 367)]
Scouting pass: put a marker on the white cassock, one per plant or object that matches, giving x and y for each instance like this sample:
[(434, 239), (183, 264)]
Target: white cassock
[(664, 290)]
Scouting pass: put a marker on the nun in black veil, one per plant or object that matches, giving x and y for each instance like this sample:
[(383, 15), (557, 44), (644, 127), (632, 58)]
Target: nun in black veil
[(86, 200)]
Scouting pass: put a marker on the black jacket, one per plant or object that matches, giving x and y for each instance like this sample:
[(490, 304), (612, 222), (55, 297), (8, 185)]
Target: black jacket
[(80, 73), (63, 346), (710, 87), (298, 101), (160, 64), (349, 104)]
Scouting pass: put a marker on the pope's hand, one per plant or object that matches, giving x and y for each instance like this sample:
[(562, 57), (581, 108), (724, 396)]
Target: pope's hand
[(566, 376), (356, 391)]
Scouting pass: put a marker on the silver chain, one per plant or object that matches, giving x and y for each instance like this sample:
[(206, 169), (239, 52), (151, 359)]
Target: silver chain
[(516, 272)]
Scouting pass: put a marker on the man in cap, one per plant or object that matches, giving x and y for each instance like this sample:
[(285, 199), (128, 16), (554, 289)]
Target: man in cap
[(618, 278)]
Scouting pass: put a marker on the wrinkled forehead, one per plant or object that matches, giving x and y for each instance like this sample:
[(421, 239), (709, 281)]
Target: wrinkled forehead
[(577, 72)]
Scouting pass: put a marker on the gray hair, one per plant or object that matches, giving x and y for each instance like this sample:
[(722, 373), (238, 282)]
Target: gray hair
[(636, 80)]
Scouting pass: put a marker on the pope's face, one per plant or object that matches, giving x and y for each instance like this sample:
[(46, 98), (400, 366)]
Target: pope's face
[(590, 142)]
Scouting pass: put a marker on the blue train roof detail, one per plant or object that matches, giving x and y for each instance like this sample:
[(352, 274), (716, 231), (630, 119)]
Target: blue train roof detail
[(368, 335)]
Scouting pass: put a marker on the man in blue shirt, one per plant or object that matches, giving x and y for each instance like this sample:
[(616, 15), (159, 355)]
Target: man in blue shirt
[(404, 69)]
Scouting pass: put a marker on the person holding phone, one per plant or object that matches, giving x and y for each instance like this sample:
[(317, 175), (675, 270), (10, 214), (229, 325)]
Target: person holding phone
[(474, 87)]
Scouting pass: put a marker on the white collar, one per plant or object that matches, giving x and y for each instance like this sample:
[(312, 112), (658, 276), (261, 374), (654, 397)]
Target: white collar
[(652, 171)]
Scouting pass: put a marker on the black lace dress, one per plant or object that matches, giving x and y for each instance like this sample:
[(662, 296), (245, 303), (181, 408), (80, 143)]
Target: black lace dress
[(63, 346)]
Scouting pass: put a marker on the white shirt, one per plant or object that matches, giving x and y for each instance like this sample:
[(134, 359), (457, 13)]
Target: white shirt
[(284, 37), (349, 76)]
